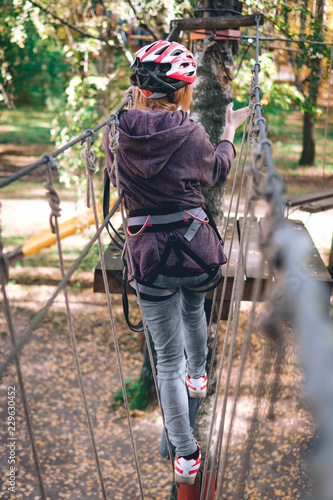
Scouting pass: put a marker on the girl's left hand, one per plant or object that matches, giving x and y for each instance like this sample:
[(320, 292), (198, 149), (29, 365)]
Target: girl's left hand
[(131, 90)]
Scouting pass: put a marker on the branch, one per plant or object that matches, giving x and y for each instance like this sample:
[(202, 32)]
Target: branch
[(66, 23), (154, 33)]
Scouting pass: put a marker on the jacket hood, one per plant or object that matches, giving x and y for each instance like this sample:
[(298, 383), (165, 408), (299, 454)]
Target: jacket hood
[(148, 138)]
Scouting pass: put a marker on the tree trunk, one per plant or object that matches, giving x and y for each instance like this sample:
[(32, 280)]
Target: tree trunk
[(314, 81), (212, 94), (308, 153)]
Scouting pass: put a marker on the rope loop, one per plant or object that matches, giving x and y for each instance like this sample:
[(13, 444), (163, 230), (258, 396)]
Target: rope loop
[(90, 139), (54, 202), (130, 103), (52, 194), (90, 161), (50, 162), (257, 185)]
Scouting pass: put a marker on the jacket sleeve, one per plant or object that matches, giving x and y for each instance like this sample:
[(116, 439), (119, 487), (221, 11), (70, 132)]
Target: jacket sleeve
[(108, 154), (216, 165)]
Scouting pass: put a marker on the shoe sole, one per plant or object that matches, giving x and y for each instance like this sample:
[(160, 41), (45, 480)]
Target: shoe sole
[(197, 394), (185, 479)]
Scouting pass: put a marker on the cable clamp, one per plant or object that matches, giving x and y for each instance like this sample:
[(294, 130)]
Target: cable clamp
[(90, 137), (114, 120), (49, 160)]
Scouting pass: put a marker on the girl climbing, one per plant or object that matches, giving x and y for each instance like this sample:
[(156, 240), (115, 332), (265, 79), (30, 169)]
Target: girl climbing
[(165, 158)]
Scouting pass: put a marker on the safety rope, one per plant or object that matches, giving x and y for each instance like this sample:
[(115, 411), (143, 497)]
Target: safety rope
[(114, 147), (231, 306), (217, 325), (31, 167), (90, 189), (54, 201), (8, 315), (25, 335)]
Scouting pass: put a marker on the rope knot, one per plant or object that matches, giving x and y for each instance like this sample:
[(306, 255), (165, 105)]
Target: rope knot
[(54, 202), (90, 160)]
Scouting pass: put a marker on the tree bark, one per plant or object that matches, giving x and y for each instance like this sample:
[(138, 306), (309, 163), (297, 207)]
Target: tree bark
[(212, 94), (309, 148), (314, 82)]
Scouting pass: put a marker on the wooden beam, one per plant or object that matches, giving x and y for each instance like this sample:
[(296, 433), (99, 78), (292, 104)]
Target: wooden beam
[(215, 23)]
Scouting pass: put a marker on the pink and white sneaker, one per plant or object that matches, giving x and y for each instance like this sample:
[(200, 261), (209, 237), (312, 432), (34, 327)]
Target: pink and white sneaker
[(197, 387), (186, 470)]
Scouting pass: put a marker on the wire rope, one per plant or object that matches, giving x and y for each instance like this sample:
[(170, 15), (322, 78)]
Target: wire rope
[(114, 331), (28, 416), (249, 330), (55, 205), (38, 318), (219, 376), (31, 167)]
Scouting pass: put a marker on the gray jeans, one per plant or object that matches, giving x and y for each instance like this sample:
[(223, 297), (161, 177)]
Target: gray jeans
[(178, 326)]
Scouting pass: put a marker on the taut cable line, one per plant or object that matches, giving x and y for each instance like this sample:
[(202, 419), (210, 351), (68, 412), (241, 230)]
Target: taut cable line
[(54, 202), (217, 325), (114, 147), (38, 318), (28, 417), (91, 169), (31, 167)]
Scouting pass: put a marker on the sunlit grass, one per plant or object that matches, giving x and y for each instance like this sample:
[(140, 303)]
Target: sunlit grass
[(25, 127)]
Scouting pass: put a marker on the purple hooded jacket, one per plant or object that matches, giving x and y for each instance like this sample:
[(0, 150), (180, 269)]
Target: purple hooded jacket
[(164, 159)]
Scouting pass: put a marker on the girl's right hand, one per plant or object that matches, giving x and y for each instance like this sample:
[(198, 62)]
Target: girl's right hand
[(236, 118)]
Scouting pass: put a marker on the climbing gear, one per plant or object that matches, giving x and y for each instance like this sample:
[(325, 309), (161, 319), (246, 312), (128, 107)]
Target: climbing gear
[(186, 470), (197, 387), (161, 68), (168, 220)]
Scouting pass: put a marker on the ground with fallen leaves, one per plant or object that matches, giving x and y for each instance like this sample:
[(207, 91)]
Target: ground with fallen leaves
[(278, 467), (278, 445)]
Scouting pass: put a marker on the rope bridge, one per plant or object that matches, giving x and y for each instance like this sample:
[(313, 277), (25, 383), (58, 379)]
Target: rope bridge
[(283, 249)]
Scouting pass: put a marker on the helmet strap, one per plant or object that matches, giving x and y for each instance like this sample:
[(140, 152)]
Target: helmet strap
[(169, 97)]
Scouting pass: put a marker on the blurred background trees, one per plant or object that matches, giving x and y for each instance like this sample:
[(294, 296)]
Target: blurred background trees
[(72, 59)]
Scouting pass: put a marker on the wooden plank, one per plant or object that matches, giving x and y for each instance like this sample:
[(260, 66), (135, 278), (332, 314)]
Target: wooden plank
[(301, 199), (215, 23), (318, 206), (314, 261), (253, 256)]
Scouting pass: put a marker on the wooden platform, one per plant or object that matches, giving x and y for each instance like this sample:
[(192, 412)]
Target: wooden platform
[(316, 201), (316, 264)]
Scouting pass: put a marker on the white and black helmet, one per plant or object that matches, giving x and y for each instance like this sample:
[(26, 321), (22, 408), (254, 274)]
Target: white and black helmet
[(161, 68)]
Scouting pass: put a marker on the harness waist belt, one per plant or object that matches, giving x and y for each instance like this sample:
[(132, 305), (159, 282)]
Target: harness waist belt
[(198, 215)]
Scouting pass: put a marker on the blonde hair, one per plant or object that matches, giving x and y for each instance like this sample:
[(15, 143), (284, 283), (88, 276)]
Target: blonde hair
[(181, 99)]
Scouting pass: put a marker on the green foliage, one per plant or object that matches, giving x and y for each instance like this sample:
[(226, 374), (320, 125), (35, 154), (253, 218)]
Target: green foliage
[(85, 107), (275, 97), (33, 67), (299, 22), (138, 393)]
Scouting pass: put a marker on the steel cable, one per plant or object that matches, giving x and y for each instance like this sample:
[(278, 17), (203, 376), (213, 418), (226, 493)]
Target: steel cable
[(114, 331), (55, 212), (38, 318), (114, 143)]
